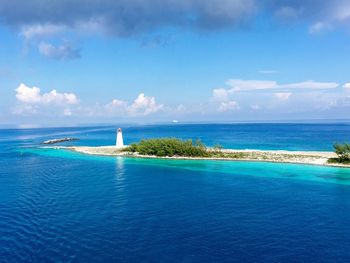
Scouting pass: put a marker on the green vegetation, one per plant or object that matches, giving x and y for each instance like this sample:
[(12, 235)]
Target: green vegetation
[(185, 148), (236, 155), (169, 147), (343, 152), (173, 147)]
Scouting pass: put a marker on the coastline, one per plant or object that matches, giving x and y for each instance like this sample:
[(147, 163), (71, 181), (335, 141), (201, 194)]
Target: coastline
[(276, 156)]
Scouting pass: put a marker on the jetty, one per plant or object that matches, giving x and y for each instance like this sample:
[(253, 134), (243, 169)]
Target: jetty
[(53, 141)]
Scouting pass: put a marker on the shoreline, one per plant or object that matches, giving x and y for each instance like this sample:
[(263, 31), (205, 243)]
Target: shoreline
[(275, 156)]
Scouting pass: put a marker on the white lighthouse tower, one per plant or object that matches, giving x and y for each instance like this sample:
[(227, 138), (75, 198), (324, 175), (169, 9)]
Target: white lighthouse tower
[(119, 143)]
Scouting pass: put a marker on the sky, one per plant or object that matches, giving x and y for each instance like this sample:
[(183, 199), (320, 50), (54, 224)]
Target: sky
[(116, 61)]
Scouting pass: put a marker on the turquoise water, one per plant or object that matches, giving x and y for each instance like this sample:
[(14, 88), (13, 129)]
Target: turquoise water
[(313, 173), (57, 205)]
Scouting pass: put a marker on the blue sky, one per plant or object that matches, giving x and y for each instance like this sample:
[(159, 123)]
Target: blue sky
[(68, 62)]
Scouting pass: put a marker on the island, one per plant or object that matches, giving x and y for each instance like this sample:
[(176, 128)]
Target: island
[(173, 148)]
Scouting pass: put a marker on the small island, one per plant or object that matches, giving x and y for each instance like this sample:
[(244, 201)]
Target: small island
[(173, 148)]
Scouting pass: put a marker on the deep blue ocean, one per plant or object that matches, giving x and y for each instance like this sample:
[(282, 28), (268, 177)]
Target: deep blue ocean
[(61, 206)]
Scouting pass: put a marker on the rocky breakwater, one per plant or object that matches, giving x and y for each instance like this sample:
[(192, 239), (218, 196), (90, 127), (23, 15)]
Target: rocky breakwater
[(53, 141)]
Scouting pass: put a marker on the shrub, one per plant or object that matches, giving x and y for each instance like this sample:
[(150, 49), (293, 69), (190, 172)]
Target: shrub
[(343, 152), (169, 147)]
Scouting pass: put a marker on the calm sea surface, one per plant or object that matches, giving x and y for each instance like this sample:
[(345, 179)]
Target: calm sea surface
[(60, 206)]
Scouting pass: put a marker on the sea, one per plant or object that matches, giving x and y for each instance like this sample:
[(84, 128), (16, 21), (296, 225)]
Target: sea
[(61, 206)]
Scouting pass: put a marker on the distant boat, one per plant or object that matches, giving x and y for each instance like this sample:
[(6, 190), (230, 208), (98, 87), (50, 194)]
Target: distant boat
[(175, 121)]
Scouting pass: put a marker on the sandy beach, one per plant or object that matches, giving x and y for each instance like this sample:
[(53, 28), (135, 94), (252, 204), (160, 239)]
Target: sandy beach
[(280, 156)]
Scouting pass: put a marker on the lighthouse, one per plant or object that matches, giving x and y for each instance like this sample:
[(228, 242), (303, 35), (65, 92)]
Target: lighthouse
[(119, 143)]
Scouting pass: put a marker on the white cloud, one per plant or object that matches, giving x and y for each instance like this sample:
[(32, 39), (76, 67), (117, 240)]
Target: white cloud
[(342, 11), (346, 85), (64, 51), (59, 98), (310, 84), (67, 112), (144, 105), (228, 106), (283, 96), (247, 85), (221, 94), (33, 101), (239, 85), (28, 95), (33, 96), (116, 106), (41, 30), (319, 27), (266, 93)]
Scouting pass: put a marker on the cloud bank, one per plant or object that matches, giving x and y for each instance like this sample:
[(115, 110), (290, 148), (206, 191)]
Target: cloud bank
[(240, 85), (33, 96), (270, 96), (39, 20), (143, 105), (132, 17), (32, 101), (235, 101), (123, 17), (64, 51)]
